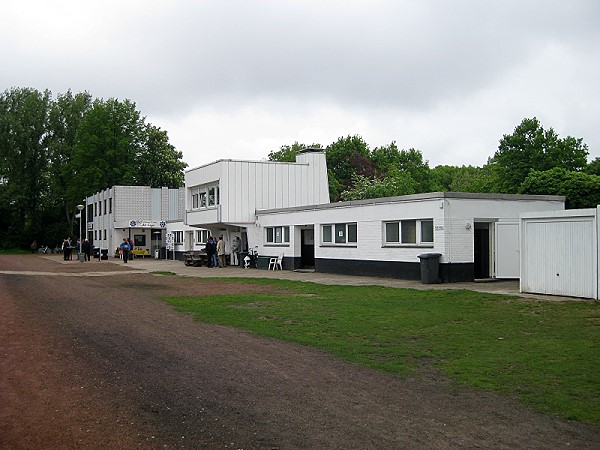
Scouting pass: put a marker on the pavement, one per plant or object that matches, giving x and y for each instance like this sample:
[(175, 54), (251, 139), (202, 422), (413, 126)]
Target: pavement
[(508, 287)]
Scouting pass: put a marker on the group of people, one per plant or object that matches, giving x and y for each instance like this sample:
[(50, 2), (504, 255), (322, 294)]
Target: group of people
[(216, 254), (85, 249)]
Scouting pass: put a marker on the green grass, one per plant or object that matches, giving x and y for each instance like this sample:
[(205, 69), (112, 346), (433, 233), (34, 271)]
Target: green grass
[(547, 354)]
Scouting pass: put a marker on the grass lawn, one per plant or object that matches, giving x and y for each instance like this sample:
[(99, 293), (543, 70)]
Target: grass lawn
[(547, 354)]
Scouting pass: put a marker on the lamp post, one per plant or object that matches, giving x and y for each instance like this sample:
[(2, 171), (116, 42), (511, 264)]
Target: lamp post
[(80, 208)]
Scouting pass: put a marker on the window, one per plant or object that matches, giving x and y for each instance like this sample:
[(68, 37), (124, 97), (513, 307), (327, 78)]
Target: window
[(105, 210), (414, 232), (178, 237), (104, 234), (195, 201), (278, 235), (202, 199), (211, 196), (202, 236), (139, 240), (110, 205), (340, 233), (95, 209), (100, 208)]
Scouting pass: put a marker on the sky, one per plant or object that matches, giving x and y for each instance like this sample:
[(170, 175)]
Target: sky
[(238, 79)]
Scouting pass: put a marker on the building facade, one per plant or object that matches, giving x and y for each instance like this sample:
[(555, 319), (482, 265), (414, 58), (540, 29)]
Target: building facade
[(139, 213)]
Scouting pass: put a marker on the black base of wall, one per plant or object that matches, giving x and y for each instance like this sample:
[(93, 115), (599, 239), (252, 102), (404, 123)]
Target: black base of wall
[(448, 273)]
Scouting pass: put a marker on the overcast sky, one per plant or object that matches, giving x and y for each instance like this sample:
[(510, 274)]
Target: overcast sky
[(238, 79)]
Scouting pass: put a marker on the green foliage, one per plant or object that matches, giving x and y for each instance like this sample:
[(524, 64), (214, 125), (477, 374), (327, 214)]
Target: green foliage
[(531, 147), (582, 190), (545, 353), (395, 183), (346, 158), (287, 153), (55, 153)]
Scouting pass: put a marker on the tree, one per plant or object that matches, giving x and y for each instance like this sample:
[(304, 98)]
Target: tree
[(159, 163), (581, 190), (531, 147), (24, 168), (346, 158), (65, 117), (396, 182), (287, 153)]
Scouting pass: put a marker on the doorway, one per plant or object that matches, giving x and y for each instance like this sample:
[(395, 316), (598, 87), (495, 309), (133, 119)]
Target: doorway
[(307, 251), (482, 254)]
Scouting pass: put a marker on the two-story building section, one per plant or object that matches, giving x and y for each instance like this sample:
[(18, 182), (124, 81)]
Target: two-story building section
[(223, 196), (140, 213)]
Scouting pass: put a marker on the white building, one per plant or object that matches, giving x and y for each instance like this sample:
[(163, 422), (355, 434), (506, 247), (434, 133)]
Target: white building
[(476, 234), (223, 197), (140, 213)]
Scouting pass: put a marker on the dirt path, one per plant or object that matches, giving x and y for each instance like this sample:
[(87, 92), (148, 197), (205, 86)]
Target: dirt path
[(98, 362)]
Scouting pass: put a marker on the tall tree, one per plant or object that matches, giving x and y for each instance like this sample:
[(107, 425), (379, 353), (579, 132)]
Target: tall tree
[(287, 153), (24, 168), (531, 147), (581, 190), (346, 158), (159, 164), (66, 115)]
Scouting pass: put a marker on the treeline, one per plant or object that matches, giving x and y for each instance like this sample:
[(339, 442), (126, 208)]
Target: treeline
[(531, 160), (54, 152)]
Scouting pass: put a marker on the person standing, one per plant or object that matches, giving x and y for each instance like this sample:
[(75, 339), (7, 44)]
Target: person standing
[(125, 249), (34, 247), (87, 250), (221, 252), (66, 248)]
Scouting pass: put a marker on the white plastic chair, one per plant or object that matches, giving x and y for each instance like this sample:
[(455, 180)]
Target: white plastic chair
[(275, 263)]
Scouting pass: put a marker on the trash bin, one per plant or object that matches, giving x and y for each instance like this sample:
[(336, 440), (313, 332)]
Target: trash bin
[(96, 252), (104, 253), (241, 257), (430, 268)]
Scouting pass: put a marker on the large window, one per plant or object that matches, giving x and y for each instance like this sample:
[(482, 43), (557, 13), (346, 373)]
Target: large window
[(205, 196), (139, 240), (339, 233), (415, 232), (278, 235)]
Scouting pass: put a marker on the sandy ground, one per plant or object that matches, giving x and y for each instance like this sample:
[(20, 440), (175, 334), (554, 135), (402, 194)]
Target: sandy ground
[(89, 358)]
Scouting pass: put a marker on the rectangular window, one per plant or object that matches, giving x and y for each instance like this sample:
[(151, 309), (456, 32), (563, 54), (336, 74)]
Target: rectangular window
[(415, 232), (100, 208), (427, 231), (408, 231), (202, 199), (110, 205), (105, 210), (340, 233), (104, 234), (95, 209), (201, 236), (178, 237), (278, 235), (139, 240), (211, 196), (195, 202), (326, 233)]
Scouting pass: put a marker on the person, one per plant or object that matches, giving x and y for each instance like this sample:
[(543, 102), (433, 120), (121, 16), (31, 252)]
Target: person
[(208, 250), (235, 251), (87, 250), (66, 248), (125, 249), (130, 248), (34, 247), (221, 252)]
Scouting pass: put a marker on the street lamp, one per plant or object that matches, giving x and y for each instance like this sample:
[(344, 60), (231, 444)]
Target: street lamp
[(80, 207)]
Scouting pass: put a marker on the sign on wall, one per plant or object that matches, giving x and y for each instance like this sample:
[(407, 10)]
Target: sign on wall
[(170, 241)]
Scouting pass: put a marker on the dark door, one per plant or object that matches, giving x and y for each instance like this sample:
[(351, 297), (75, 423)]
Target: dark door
[(307, 258), (482, 251)]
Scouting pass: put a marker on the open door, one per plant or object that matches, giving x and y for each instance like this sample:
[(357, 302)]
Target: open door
[(482, 256), (307, 255)]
